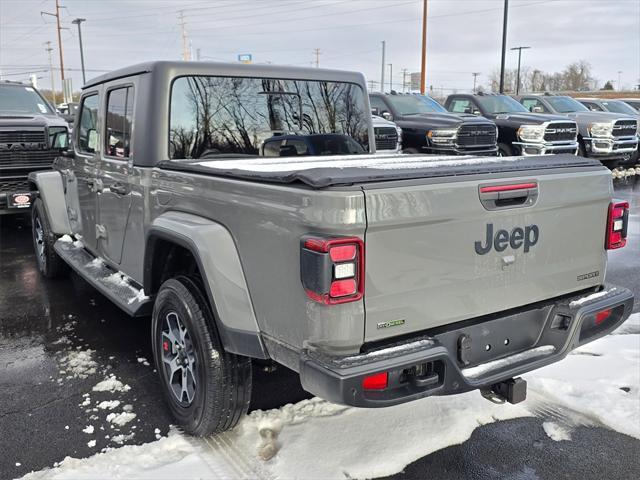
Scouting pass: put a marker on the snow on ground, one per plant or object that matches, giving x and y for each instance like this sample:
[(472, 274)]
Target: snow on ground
[(111, 384), (79, 363), (556, 432), (317, 439)]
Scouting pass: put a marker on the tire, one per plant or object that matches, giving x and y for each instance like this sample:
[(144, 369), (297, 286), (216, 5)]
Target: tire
[(582, 151), (49, 263), (504, 150), (410, 151), (219, 397)]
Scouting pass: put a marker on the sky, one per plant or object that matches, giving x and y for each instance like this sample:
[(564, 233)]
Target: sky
[(463, 36)]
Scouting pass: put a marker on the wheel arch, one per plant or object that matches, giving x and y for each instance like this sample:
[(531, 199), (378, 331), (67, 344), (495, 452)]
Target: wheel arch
[(216, 258), (51, 191)]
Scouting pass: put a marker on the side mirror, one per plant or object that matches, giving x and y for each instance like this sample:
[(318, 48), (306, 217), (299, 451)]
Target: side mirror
[(477, 113), (468, 110), (375, 111), (68, 117), (536, 109), (387, 116)]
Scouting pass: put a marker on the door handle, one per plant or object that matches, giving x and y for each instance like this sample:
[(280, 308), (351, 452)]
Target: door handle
[(119, 189)]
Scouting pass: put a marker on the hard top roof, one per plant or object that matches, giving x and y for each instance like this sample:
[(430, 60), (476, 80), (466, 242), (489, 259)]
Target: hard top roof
[(179, 68)]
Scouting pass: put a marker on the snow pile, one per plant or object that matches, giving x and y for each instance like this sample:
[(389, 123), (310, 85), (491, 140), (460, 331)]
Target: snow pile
[(121, 419), (475, 372), (630, 326), (111, 384), (88, 430), (172, 457), (79, 363), (556, 432), (387, 162), (140, 297), (108, 404), (65, 239), (600, 379), (318, 439), (593, 296)]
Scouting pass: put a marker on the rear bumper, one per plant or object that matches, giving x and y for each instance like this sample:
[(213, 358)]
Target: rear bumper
[(457, 360)]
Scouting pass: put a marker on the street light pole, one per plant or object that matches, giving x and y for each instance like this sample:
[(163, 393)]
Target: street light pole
[(475, 76), (505, 15), (519, 59), (619, 73), (390, 76), (423, 67), (78, 21)]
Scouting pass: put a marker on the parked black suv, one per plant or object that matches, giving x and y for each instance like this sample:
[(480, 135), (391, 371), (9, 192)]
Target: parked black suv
[(520, 132), (31, 136), (428, 128)]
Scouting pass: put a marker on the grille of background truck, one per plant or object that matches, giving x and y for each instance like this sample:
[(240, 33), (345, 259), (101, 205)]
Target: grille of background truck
[(22, 136), (386, 138), (475, 135), (561, 132), (27, 158), (625, 128), (14, 185)]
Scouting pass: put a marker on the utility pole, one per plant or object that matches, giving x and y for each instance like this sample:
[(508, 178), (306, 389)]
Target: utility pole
[(518, 75), (475, 76), (372, 84), (57, 15), (53, 86), (423, 70), (383, 67), (317, 52), (619, 73), (390, 76), (505, 16), (186, 53), (78, 21), (404, 79)]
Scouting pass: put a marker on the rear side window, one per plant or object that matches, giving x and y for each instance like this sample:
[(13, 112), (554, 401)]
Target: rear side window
[(377, 102), (87, 125), (593, 107), (119, 122)]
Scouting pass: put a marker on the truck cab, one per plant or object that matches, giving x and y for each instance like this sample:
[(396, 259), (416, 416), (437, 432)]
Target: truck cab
[(607, 136), (520, 132), (31, 136), (428, 128)]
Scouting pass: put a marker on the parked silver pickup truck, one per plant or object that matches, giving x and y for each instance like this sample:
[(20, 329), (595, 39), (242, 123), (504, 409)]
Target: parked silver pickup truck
[(379, 279)]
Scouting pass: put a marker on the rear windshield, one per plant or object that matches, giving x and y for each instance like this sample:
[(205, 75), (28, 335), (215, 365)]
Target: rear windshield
[(22, 99), (414, 104), (566, 105), (222, 116)]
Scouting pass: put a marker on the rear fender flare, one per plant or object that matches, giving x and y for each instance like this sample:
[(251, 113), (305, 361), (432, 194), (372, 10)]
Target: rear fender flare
[(51, 191), (216, 255)]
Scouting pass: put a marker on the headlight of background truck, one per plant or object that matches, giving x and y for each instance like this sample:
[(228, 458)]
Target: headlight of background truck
[(443, 136), (601, 129), (531, 133)]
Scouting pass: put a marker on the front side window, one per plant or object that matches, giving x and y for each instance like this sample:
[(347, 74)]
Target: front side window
[(593, 107), (412, 105), (378, 103), (533, 103), (222, 116), (117, 136), (87, 125)]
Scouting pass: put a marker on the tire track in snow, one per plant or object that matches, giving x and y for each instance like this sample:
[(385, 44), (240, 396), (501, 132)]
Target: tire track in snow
[(223, 446)]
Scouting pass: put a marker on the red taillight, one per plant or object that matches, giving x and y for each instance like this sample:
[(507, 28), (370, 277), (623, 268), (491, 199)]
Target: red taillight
[(332, 269), (378, 381), (617, 223), (602, 316)]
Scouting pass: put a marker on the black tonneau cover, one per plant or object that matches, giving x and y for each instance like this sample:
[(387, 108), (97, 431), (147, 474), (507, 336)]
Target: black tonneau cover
[(320, 172)]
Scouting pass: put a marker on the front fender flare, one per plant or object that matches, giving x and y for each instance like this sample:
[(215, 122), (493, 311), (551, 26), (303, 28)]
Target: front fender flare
[(51, 191), (216, 255)]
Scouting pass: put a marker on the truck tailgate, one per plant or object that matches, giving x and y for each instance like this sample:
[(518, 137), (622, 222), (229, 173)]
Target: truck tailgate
[(429, 261)]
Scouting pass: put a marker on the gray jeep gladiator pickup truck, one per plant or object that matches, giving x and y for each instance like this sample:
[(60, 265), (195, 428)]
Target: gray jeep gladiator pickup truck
[(379, 279), (31, 136)]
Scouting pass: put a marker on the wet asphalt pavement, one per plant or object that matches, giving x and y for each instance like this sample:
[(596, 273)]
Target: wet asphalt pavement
[(59, 338)]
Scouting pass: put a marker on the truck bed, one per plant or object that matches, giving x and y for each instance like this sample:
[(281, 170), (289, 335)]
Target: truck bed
[(322, 172)]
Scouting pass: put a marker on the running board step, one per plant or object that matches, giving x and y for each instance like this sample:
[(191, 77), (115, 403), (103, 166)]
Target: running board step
[(115, 286)]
